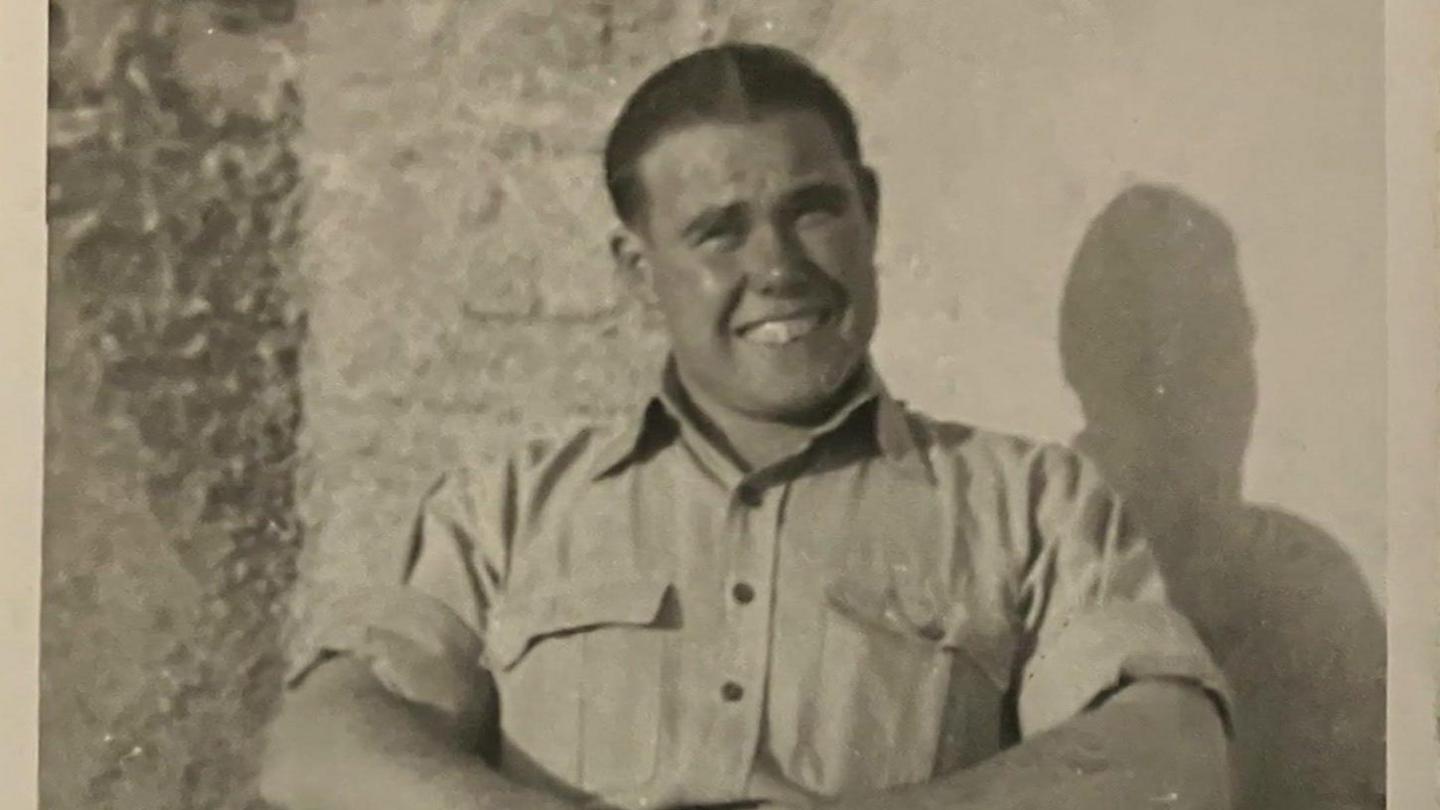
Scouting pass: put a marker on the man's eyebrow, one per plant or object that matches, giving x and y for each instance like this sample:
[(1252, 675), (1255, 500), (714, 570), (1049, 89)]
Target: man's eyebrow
[(823, 193), (711, 217)]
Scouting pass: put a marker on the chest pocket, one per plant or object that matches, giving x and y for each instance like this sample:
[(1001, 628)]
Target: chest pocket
[(908, 686), (579, 674)]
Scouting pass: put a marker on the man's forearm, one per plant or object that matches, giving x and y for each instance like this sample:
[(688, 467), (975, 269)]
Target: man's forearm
[(1153, 744), (342, 742)]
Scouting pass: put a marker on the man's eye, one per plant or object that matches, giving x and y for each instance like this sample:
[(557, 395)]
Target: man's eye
[(814, 217), (819, 214), (724, 238)]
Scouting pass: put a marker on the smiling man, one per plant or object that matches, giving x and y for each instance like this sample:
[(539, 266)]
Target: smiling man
[(773, 584)]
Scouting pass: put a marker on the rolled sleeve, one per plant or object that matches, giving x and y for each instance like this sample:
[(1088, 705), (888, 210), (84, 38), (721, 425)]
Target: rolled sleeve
[(422, 635), (1099, 617)]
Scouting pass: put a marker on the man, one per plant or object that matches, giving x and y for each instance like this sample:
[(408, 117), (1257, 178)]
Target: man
[(773, 584)]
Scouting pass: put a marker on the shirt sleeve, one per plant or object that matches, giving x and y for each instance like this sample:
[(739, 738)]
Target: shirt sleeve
[(1097, 615), (422, 635)]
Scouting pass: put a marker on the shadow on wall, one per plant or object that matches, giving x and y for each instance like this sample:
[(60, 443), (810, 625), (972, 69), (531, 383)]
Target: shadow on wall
[(1156, 340)]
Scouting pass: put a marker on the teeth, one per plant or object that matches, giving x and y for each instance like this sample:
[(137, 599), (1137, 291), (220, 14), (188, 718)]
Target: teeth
[(779, 332)]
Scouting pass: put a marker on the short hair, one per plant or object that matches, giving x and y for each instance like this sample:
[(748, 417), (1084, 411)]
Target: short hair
[(730, 82)]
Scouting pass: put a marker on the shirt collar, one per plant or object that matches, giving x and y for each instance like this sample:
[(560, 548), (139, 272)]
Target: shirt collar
[(659, 416)]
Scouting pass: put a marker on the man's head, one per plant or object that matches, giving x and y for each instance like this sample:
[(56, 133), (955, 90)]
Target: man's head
[(749, 220)]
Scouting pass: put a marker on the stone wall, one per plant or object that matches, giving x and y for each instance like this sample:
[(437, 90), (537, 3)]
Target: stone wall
[(452, 276), (459, 288), (173, 403)]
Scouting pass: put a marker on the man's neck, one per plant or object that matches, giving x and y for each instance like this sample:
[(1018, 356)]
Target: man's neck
[(753, 442)]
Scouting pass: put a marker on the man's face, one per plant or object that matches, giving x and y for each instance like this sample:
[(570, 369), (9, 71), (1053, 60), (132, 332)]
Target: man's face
[(757, 245)]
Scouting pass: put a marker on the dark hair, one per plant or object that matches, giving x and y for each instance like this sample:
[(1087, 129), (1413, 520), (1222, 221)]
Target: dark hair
[(734, 81)]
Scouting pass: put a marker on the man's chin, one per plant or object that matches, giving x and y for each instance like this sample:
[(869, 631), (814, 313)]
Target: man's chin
[(802, 393), (799, 405)]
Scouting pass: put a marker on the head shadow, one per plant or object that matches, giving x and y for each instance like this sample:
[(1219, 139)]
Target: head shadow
[(1156, 340)]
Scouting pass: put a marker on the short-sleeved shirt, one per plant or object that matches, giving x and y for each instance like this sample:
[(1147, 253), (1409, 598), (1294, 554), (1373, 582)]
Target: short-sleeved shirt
[(901, 598)]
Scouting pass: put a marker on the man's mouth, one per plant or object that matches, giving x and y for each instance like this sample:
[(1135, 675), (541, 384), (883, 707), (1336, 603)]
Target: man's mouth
[(780, 330)]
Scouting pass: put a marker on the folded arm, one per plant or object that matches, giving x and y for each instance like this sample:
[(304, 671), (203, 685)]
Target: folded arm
[(1119, 703), (344, 741), (1155, 743), (398, 716)]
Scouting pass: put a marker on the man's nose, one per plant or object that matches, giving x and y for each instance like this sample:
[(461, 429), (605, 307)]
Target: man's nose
[(778, 264)]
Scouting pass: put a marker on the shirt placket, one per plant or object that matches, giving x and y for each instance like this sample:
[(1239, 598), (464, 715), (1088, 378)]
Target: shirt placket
[(739, 683)]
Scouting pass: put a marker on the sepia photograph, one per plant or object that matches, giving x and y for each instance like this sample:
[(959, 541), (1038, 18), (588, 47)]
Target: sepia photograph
[(670, 404)]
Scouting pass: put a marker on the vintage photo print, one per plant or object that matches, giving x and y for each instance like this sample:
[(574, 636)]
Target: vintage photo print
[(733, 403)]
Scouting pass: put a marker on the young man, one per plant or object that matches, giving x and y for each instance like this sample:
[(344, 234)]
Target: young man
[(774, 584)]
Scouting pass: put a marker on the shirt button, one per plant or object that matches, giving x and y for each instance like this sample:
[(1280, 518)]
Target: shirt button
[(732, 691), (749, 494), (743, 593)]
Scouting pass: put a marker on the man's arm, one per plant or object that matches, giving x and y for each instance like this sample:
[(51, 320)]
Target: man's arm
[(342, 741), (1096, 617), (396, 719), (1155, 743)]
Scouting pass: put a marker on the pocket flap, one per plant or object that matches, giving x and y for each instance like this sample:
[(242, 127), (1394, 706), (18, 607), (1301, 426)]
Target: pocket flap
[(923, 615), (513, 627), (883, 607)]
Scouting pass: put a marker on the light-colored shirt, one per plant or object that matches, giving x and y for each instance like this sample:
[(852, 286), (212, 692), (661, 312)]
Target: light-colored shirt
[(901, 598)]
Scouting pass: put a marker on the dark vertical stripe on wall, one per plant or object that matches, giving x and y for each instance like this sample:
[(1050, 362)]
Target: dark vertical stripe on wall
[(172, 403)]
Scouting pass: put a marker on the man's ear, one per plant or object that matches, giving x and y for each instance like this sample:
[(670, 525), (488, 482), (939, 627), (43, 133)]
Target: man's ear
[(632, 263), (869, 192)]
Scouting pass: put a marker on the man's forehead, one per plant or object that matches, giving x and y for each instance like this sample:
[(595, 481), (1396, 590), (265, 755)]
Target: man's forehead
[(789, 147)]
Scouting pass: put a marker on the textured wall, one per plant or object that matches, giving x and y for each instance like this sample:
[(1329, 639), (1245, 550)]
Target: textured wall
[(170, 532), (459, 290)]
